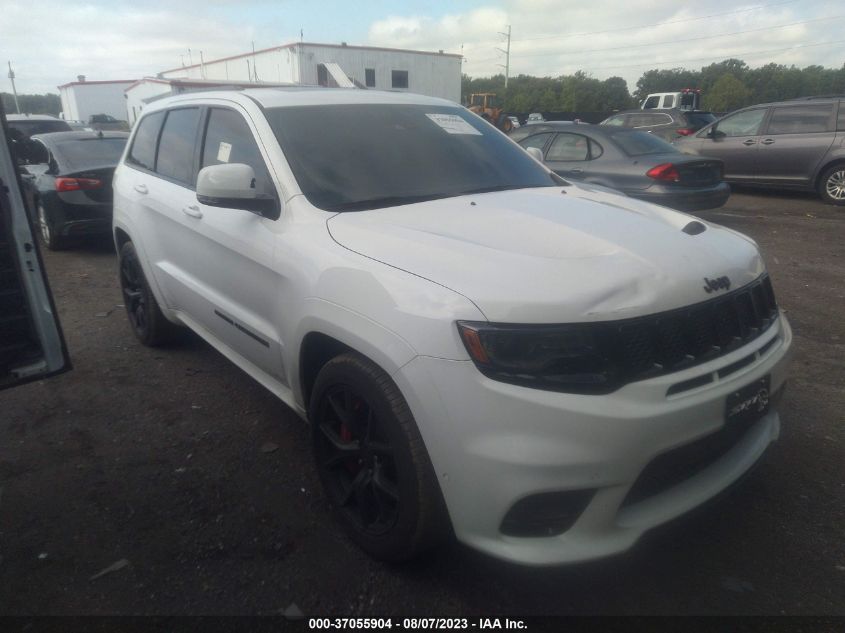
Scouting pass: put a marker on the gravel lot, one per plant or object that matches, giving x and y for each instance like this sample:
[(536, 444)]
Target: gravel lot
[(177, 462)]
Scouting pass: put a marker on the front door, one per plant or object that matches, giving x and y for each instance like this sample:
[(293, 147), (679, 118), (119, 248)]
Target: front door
[(735, 142)]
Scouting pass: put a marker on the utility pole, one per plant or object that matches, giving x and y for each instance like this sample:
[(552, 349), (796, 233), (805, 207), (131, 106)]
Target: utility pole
[(14, 90), (507, 52)]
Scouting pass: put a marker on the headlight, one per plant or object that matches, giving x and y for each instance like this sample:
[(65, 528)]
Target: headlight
[(566, 358)]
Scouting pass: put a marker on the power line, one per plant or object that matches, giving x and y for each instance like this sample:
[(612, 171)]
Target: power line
[(643, 26), (681, 41)]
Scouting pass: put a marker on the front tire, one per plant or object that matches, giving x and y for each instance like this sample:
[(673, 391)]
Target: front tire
[(148, 323), (372, 462), (832, 185)]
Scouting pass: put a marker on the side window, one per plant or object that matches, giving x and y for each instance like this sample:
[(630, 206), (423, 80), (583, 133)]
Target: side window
[(801, 119), (596, 150), (651, 102), (568, 147), (536, 140), (668, 101), (641, 120), (619, 119), (176, 147), (661, 119), (143, 152), (370, 77), (742, 124), (228, 139)]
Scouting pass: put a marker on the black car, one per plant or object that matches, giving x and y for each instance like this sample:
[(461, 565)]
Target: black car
[(636, 163), (67, 183), (668, 124)]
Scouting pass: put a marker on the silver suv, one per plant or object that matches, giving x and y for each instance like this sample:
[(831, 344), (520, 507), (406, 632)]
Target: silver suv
[(797, 144)]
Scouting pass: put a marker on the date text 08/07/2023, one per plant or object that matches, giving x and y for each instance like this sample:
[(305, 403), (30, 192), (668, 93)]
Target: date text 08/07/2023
[(415, 623)]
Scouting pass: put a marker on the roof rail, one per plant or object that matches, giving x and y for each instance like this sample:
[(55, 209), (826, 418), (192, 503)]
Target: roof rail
[(810, 98)]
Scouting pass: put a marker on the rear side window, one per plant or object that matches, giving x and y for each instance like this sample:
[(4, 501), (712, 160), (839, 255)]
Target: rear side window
[(669, 101), (176, 147), (228, 139), (615, 120), (143, 152), (801, 119), (569, 147)]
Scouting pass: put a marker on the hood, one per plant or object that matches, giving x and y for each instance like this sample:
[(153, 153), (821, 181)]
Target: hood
[(553, 255)]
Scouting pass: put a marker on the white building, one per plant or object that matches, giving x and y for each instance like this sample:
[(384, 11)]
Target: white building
[(81, 99), (149, 89), (432, 74)]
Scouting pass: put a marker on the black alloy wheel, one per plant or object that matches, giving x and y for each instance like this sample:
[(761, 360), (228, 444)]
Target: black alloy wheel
[(357, 460), (148, 323), (372, 461)]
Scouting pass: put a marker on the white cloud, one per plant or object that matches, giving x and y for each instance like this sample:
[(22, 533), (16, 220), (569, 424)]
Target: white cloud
[(553, 37)]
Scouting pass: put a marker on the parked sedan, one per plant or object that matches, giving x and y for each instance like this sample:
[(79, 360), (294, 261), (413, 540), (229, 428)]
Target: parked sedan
[(67, 183), (633, 162), (797, 144), (670, 124)]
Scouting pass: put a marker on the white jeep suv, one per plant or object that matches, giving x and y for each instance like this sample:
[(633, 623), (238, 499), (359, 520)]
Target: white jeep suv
[(547, 369)]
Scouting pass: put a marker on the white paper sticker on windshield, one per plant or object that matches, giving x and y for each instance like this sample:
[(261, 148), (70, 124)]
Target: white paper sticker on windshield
[(223, 152), (453, 124)]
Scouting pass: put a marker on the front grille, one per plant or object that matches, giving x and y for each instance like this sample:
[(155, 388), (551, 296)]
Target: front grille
[(663, 343), (676, 466)]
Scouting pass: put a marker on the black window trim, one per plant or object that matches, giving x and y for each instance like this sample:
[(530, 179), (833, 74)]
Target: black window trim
[(128, 160)]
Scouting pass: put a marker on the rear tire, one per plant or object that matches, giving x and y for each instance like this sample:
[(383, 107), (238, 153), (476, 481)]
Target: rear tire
[(832, 185), (372, 462), (49, 237), (148, 323)]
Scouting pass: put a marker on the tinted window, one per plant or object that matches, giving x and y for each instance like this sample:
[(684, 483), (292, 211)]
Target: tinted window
[(742, 124), (641, 143), (364, 156), (568, 147), (370, 77), (537, 140), (651, 102), (615, 120), (29, 128), (176, 147), (800, 119), (89, 152), (228, 139), (700, 119), (648, 120), (143, 152), (36, 153), (399, 78)]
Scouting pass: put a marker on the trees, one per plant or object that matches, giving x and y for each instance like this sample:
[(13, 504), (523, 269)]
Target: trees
[(33, 104), (727, 93)]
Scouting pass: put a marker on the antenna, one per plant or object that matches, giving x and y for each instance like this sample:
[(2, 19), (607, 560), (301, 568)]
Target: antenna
[(254, 66), (507, 64), (190, 57), (14, 90), (202, 66)]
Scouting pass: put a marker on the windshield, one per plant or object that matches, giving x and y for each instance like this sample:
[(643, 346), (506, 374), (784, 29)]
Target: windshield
[(641, 143), (93, 152), (353, 157)]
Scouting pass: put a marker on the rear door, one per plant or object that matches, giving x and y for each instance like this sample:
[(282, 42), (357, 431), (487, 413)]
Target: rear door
[(735, 142), (31, 342), (795, 140)]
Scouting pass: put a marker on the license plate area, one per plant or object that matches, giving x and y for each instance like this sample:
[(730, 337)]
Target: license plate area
[(748, 404)]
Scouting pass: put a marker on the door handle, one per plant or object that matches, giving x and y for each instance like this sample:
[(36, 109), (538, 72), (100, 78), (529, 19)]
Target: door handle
[(141, 189), (193, 211), (768, 141), (750, 141), (576, 171)]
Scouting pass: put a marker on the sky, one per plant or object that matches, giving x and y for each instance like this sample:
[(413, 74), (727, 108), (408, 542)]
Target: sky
[(50, 43)]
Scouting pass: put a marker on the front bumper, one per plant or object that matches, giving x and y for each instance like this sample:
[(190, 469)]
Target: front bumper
[(493, 444), (683, 198)]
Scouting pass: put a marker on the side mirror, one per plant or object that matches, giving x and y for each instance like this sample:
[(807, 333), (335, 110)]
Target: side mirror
[(714, 133), (535, 153), (232, 186)]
